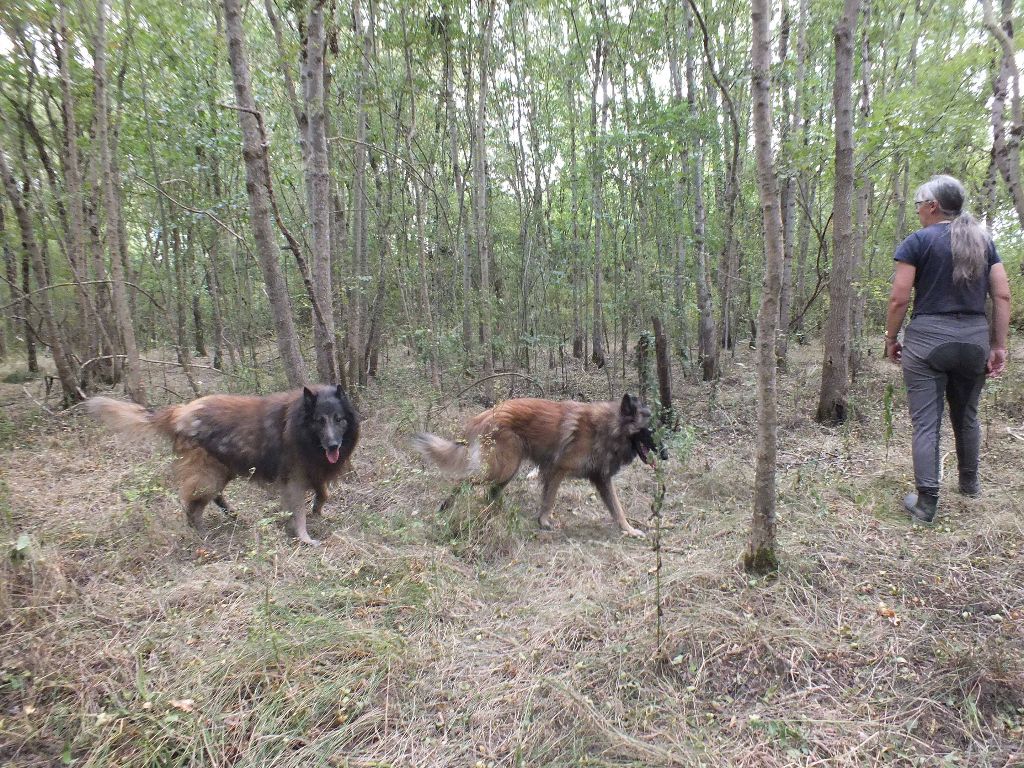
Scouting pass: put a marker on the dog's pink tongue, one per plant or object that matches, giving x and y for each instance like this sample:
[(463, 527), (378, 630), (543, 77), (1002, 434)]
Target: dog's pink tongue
[(333, 454)]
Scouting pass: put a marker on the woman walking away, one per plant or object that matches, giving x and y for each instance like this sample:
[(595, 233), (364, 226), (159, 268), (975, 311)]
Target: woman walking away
[(948, 348)]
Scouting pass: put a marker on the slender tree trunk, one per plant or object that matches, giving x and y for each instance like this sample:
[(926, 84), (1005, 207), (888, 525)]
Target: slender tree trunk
[(73, 188), (198, 332), (421, 215), (318, 187), (213, 291), (902, 182), (223, 312), (537, 221), (793, 119), (678, 187), (360, 219), (989, 190), (7, 329), (760, 555), (578, 337), (643, 366), (480, 191), (7, 324), (291, 95), (663, 363), (597, 132), (728, 271), (796, 319), (835, 374), (256, 170), (18, 295), (31, 355), (119, 294), (1006, 139), (707, 344), (863, 202), (461, 239), (174, 258), (65, 368), (112, 371)]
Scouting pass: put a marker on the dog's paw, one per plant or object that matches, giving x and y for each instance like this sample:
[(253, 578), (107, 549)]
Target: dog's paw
[(635, 533), (310, 542)]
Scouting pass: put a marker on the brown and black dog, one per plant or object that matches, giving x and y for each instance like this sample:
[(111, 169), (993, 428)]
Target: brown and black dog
[(565, 439), (297, 441)]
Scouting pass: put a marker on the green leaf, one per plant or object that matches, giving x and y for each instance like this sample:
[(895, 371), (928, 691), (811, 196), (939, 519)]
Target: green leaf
[(21, 547)]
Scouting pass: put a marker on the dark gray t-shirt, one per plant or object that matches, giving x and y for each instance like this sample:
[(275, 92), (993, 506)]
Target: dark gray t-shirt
[(935, 293)]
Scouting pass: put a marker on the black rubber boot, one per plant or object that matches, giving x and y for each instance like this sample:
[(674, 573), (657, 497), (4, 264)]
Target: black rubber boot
[(921, 505), (970, 485)]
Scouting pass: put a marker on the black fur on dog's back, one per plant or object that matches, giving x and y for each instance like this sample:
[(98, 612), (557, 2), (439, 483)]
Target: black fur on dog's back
[(302, 437)]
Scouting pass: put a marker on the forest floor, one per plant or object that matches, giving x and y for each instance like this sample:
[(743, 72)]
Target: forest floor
[(413, 638)]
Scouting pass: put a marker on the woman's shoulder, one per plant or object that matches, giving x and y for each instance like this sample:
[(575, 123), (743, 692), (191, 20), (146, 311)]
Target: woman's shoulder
[(933, 233), (918, 244), (910, 248)]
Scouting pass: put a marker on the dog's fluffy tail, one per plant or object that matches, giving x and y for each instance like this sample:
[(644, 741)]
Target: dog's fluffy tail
[(128, 418), (457, 460)]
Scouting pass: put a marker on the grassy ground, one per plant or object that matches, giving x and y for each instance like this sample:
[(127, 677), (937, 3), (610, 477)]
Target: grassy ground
[(473, 639)]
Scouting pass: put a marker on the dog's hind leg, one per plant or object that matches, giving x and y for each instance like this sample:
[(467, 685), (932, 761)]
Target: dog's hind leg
[(293, 498), (194, 514), (611, 500), (505, 457), (201, 479), (450, 499), (494, 491)]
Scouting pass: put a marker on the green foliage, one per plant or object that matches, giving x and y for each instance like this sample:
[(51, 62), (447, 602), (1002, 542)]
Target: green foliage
[(8, 431), (20, 377), (480, 529), (21, 548), (172, 92), (144, 484)]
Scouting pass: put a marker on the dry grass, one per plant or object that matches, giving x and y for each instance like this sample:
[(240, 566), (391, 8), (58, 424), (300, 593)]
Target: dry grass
[(412, 639)]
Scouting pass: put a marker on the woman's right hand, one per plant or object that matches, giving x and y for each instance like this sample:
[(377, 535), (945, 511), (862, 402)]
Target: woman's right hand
[(893, 350), (996, 362)]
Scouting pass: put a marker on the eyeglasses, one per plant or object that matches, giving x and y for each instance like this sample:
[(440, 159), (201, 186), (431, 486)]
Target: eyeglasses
[(919, 203)]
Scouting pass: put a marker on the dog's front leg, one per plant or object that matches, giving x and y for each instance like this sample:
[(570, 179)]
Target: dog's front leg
[(611, 500), (320, 497), (547, 500), (221, 502), (293, 498)]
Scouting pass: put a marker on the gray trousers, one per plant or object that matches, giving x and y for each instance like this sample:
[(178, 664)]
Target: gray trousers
[(944, 358)]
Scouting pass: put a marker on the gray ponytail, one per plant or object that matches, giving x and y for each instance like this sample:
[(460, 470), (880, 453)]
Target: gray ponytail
[(969, 240)]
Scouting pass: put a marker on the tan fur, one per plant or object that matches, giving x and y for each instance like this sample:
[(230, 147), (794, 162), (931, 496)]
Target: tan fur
[(565, 439), (459, 461), (127, 418)]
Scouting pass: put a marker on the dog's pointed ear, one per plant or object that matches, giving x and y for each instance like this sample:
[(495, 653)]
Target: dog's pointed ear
[(309, 398), (340, 394), (628, 407)]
